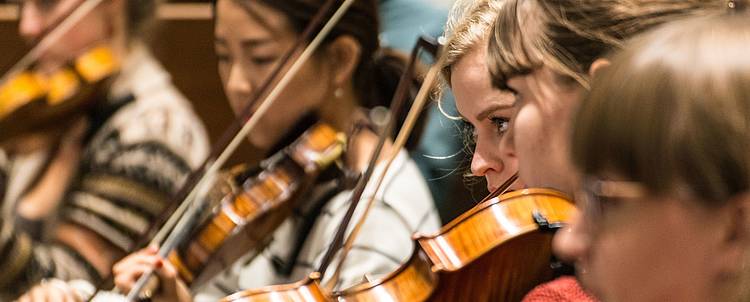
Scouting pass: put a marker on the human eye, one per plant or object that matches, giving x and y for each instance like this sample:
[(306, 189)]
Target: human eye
[(222, 51), (223, 57), (262, 60), (501, 124)]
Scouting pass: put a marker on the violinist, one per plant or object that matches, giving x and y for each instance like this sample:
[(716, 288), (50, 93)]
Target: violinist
[(661, 141), (82, 192), (485, 111), (544, 52), (349, 74)]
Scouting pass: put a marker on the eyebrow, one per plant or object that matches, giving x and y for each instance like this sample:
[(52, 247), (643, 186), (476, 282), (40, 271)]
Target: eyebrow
[(489, 110), (247, 43)]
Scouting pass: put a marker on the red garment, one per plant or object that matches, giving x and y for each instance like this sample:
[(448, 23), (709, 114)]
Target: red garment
[(561, 289)]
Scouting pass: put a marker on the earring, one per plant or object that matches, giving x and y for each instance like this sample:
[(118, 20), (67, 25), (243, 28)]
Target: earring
[(338, 93)]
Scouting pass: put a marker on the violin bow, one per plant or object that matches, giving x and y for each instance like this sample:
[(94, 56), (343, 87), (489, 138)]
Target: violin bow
[(231, 138), (502, 188), (191, 212), (397, 103), (406, 129)]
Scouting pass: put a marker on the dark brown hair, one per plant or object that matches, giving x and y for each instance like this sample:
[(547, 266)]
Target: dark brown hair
[(379, 70), (673, 111), (569, 35)]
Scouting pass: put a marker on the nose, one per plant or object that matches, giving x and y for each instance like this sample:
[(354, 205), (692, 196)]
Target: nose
[(572, 243), (238, 88), (31, 22), (482, 160)]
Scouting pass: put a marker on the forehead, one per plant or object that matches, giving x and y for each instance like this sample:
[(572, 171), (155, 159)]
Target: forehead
[(471, 67), (249, 18)]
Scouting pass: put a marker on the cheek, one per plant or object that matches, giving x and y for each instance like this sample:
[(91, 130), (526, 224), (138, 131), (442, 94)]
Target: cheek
[(303, 95), (648, 251), (529, 139)]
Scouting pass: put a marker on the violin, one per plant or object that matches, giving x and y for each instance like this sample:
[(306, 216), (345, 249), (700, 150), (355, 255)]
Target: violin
[(31, 101), (247, 216), (169, 228), (497, 251)]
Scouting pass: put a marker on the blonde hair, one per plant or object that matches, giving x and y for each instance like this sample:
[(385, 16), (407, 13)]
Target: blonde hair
[(469, 23)]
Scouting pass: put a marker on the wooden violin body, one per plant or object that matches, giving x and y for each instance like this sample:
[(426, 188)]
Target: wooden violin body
[(31, 101), (497, 251), (248, 218), (307, 290)]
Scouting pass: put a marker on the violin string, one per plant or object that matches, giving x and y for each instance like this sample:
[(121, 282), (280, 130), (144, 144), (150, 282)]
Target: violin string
[(411, 119), (231, 134), (269, 100), (174, 237), (50, 38), (503, 188), (398, 101)]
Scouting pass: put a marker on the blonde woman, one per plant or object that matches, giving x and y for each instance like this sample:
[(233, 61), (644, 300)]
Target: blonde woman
[(484, 110)]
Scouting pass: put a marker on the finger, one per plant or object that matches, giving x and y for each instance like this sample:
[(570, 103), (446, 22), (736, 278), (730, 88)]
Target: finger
[(134, 260), (36, 294), (152, 249), (53, 294), (61, 288), (127, 278), (167, 274)]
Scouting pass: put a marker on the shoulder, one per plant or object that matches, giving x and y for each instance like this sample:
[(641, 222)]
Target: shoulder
[(561, 289), (158, 115), (403, 201)]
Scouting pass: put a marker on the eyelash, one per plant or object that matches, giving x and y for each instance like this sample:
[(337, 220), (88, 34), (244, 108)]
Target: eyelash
[(501, 123), (222, 58), (260, 61)]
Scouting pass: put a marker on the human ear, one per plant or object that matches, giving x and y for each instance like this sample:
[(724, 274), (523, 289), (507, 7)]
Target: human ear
[(597, 65), (736, 237), (344, 54)]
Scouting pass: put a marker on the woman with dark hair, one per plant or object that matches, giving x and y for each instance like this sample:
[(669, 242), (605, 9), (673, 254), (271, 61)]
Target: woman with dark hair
[(348, 75), (102, 178), (661, 141)]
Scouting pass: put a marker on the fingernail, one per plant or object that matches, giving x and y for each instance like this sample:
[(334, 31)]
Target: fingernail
[(159, 263)]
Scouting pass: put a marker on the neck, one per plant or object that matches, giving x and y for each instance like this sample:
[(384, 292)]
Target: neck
[(343, 113)]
